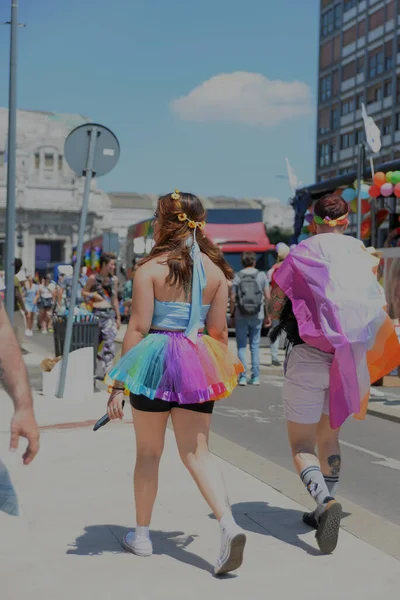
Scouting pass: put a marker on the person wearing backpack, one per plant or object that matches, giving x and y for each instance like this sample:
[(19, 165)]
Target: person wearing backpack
[(248, 306)]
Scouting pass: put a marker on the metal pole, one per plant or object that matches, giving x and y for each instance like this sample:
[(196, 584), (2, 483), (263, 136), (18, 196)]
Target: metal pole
[(11, 164), (360, 172), (79, 248)]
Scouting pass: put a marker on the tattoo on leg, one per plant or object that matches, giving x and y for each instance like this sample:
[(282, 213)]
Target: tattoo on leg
[(334, 462)]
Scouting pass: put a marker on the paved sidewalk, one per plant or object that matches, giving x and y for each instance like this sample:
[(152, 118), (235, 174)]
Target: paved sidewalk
[(76, 505)]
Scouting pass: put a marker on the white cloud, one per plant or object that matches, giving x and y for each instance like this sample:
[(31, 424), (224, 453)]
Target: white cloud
[(248, 98)]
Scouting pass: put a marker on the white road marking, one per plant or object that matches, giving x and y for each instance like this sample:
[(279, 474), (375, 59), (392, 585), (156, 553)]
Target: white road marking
[(384, 461)]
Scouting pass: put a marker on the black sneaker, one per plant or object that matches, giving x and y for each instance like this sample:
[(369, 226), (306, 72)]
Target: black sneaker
[(328, 527), (310, 520), (275, 363)]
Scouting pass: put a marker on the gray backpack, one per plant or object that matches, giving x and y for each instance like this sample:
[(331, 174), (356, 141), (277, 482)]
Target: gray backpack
[(249, 296)]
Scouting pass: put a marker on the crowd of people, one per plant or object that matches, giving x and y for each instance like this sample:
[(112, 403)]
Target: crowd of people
[(324, 295)]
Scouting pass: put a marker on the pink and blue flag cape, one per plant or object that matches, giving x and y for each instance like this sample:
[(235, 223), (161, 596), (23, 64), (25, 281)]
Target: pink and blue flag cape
[(340, 308)]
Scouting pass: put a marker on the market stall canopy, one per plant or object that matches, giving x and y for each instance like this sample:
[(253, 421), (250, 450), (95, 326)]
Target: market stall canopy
[(244, 237)]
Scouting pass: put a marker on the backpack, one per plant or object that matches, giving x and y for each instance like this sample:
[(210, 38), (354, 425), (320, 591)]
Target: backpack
[(249, 296)]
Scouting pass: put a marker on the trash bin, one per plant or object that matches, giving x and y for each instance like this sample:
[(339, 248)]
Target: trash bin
[(85, 334)]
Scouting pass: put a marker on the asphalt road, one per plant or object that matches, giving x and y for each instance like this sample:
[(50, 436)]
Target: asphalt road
[(253, 419)]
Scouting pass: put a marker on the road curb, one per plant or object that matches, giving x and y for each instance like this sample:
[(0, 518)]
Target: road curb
[(383, 415)]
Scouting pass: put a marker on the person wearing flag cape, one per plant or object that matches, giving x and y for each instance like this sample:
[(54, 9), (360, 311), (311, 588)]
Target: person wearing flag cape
[(328, 300)]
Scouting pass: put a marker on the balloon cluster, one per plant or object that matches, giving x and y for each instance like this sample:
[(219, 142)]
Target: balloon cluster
[(385, 184)]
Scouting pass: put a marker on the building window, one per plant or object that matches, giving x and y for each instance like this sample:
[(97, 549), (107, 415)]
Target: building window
[(374, 94), (359, 101), (326, 88), (347, 140), (49, 161), (2, 159), (377, 19), (398, 122), (362, 28), (388, 56), (345, 170), (350, 35), (337, 16), (324, 121), (387, 88), (331, 20), (376, 63), (349, 70), (335, 117), (60, 162), (349, 4), (348, 106), (37, 160), (387, 126), (390, 10), (326, 55), (360, 136), (360, 65), (324, 154)]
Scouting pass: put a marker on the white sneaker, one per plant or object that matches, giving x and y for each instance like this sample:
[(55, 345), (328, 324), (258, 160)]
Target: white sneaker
[(232, 547), (140, 545), (375, 392)]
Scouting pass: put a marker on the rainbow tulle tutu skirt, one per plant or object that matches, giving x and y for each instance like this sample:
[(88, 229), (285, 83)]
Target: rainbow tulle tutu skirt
[(168, 366)]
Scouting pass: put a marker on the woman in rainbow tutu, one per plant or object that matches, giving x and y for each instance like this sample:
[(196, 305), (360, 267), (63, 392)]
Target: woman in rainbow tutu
[(170, 367)]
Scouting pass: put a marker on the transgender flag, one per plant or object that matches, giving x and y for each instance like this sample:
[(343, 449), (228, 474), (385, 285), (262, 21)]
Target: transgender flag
[(341, 309)]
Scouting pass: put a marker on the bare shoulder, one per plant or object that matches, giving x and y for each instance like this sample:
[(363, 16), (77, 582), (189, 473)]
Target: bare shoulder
[(213, 272)]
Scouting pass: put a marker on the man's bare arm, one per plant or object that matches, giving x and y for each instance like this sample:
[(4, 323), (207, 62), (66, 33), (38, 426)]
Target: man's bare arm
[(14, 378), (276, 302)]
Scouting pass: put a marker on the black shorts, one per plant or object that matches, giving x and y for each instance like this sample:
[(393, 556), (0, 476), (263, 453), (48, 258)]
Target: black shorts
[(146, 405)]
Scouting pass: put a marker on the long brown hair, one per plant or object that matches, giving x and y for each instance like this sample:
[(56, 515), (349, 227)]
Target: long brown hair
[(174, 238)]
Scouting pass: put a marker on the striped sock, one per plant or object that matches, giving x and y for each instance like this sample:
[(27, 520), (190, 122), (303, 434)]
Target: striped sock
[(332, 484), (315, 484)]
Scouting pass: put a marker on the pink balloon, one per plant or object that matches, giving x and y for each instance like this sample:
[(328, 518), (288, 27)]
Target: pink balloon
[(387, 189)]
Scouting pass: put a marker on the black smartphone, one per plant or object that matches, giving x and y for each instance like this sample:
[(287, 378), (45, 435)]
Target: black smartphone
[(104, 420)]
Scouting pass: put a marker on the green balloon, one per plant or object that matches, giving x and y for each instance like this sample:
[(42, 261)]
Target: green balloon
[(389, 177), (396, 177)]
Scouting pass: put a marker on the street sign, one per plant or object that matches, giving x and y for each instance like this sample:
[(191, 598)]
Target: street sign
[(90, 150), (106, 152)]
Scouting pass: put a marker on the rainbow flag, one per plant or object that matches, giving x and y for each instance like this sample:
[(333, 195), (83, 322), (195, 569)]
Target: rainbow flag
[(341, 309)]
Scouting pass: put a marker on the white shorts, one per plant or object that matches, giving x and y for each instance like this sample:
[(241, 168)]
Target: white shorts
[(306, 386)]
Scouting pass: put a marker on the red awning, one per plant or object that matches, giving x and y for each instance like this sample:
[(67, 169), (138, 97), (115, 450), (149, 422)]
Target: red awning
[(243, 237)]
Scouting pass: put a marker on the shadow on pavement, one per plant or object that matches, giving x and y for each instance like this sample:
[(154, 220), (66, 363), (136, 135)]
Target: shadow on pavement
[(98, 539), (285, 524)]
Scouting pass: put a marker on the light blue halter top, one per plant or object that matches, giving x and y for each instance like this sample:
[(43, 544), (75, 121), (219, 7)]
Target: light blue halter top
[(187, 316)]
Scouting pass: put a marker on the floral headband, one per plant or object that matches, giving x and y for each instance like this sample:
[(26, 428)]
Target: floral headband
[(183, 216), (343, 220)]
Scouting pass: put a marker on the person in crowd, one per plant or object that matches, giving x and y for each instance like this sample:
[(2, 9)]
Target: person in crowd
[(20, 311), (282, 252), (14, 379), (30, 296), (101, 292), (46, 299), (171, 368), (332, 308), (248, 307)]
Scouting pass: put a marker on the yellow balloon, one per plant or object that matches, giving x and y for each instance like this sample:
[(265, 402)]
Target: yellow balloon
[(353, 205)]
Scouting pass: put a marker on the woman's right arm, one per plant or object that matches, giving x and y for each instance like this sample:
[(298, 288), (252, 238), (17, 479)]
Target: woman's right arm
[(217, 326)]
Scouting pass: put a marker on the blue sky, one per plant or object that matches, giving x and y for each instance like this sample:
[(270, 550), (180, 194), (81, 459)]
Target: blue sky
[(191, 89)]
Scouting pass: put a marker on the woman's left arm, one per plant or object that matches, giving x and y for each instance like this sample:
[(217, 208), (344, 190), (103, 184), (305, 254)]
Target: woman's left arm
[(142, 308)]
